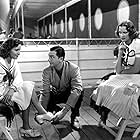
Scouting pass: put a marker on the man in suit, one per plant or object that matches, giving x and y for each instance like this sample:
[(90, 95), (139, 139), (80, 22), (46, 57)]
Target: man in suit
[(62, 84)]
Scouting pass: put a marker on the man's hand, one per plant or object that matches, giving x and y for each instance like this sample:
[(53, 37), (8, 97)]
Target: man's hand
[(60, 114)]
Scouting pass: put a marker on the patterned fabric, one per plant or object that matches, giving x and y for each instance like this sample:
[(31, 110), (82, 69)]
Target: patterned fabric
[(117, 93), (10, 77), (128, 55), (112, 95), (8, 111)]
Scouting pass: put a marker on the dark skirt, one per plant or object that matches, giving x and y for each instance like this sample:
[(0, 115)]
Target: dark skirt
[(9, 111)]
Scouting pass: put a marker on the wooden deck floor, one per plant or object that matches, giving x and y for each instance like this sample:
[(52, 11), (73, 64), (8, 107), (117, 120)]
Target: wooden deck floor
[(62, 131)]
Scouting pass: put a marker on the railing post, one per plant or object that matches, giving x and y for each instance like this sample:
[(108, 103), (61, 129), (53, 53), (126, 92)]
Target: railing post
[(78, 56)]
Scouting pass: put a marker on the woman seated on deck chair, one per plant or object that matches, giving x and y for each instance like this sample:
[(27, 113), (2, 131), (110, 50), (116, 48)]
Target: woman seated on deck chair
[(120, 92), (17, 95)]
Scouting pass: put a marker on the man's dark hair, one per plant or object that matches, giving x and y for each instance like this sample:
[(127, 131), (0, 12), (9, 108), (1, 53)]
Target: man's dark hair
[(8, 45), (60, 52)]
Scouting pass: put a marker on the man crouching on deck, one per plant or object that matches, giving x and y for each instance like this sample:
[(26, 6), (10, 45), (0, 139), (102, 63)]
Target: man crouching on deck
[(62, 84)]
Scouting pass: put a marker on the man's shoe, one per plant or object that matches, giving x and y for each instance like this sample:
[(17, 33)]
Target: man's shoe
[(75, 124), (55, 122)]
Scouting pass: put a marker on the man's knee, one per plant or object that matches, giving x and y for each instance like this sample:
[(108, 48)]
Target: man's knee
[(81, 95), (79, 101)]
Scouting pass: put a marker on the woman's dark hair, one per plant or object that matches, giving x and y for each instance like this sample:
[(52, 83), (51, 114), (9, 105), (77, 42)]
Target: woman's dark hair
[(60, 52), (133, 33), (8, 45)]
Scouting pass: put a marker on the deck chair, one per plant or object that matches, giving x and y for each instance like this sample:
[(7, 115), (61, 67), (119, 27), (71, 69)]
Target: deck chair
[(6, 117), (3, 127), (122, 125)]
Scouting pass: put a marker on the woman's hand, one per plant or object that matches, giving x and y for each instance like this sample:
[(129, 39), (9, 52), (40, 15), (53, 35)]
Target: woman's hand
[(9, 94), (59, 115), (119, 67), (130, 89), (122, 48)]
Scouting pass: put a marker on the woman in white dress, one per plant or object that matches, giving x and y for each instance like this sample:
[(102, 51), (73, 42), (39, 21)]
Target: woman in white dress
[(120, 92), (17, 95)]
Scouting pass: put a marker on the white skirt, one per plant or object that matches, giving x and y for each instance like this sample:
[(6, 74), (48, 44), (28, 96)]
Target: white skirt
[(23, 96), (111, 95)]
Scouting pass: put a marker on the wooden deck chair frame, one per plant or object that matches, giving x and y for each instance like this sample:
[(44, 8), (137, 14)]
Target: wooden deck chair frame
[(123, 126), (3, 127), (122, 129)]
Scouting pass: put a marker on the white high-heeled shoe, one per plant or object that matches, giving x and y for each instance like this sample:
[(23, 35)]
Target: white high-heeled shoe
[(31, 133)]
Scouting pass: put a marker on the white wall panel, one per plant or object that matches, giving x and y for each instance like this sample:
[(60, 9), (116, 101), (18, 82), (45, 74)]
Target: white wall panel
[(94, 61), (96, 64)]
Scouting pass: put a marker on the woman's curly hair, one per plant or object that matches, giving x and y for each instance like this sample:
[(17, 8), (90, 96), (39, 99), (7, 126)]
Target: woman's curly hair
[(133, 33), (7, 45)]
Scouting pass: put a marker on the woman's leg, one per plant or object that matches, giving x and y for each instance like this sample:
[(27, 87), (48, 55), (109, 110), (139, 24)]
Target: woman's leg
[(26, 130), (25, 113), (43, 113), (37, 104), (25, 118), (104, 114)]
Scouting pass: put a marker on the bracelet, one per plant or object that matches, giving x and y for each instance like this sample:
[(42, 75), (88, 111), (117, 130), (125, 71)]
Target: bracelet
[(14, 88)]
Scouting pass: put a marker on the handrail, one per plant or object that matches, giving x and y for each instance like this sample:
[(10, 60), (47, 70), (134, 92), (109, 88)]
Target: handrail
[(68, 39), (72, 41)]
